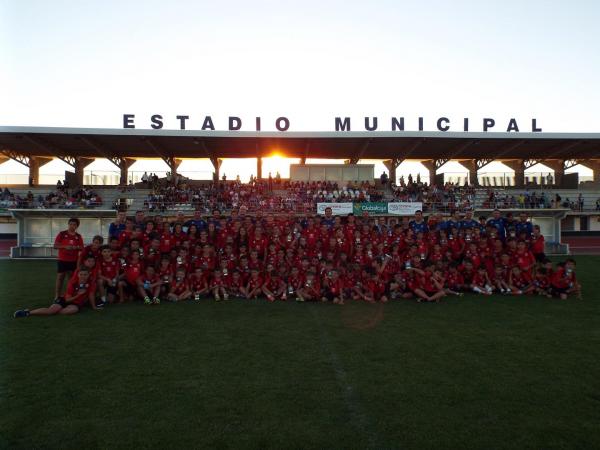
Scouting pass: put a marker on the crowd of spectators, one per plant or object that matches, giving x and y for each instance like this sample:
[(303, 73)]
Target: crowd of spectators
[(443, 198), (270, 195), (60, 198)]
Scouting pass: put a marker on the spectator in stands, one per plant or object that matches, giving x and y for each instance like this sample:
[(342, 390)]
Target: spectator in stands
[(383, 178)]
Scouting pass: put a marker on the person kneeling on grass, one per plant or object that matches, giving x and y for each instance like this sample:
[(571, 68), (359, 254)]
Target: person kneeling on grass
[(148, 285), (179, 287), (79, 291)]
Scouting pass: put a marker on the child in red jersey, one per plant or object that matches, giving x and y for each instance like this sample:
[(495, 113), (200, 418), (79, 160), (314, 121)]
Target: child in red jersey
[(295, 281), (165, 273), (274, 287), (542, 282), (376, 288), (198, 283), (217, 286), (360, 290), (235, 287), (91, 250), (179, 289), (254, 284), (69, 243), (454, 281), (519, 282), (538, 244), (79, 291), (152, 253), (128, 284), (333, 288), (564, 282), (148, 285), (108, 275), (311, 289), (438, 276), (500, 280), (481, 282), (425, 286), (398, 287)]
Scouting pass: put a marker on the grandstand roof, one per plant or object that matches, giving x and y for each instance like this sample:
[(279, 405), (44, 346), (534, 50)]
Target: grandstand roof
[(138, 143)]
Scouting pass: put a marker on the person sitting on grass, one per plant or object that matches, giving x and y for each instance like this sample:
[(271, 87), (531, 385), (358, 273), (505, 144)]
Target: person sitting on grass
[(439, 277), (498, 280), (148, 285), (333, 288), (563, 281), (132, 269), (80, 290), (310, 290), (541, 282), (179, 289), (254, 285), (398, 288), (198, 283), (481, 282), (235, 286), (520, 282), (425, 286), (274, 287), (217, 286)]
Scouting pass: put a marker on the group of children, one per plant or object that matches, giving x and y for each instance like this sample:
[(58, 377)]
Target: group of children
[(322, 259)]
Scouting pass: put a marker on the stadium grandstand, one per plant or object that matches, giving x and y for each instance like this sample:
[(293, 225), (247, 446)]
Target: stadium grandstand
[(574, 205)]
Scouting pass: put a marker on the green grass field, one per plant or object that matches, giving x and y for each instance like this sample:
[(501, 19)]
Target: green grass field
[(474, 372)]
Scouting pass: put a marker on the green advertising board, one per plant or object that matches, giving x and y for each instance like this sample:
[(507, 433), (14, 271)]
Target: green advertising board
[(370, 208)]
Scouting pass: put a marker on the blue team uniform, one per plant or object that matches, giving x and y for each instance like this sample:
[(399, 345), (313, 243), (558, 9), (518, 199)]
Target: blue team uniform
[(526, 227), (498, 224), (471, 223), (418, 227)]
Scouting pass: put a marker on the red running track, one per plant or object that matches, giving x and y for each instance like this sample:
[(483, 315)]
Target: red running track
[(5, 245), (583, 245)]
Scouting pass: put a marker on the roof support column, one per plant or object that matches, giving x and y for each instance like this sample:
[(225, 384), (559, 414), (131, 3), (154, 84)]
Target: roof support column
[(216, 162), (80, 165), (518, 165), (594, 164), (472, 166), (431, 165), (35, 162), (124, 165), (558, 165), (259, 167), (392, 165)]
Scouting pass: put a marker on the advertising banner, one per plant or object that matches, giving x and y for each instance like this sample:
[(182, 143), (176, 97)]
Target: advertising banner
[(371, 208), (404, 208), (338, 209)]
